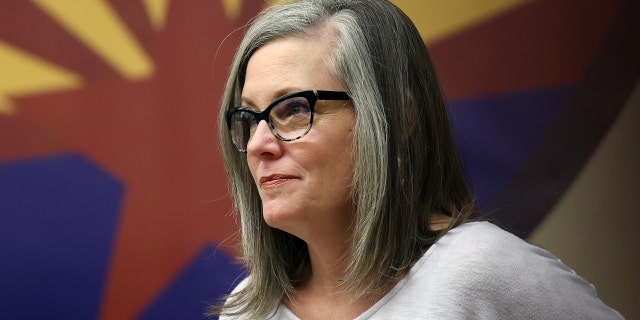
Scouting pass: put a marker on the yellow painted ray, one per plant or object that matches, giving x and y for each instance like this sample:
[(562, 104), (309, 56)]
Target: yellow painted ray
[(232, 8), (6, 107), (96, 24), (24, 73), (269, 3), (157, 11), (436, 19)]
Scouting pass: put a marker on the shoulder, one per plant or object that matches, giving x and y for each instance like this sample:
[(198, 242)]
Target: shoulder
[(500, 275), (483, 243), (234, 312), (480, 255), (232, 296), (241, 285)]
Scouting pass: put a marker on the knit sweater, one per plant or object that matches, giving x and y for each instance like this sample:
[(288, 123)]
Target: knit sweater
[(479, 271)]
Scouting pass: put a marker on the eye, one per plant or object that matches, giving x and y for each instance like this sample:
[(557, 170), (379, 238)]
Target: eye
[(290, 108)]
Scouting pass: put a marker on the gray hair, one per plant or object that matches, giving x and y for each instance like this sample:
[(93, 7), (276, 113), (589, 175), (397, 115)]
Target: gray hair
[(406, 165)]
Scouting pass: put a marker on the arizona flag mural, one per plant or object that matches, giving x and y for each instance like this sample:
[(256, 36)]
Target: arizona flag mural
[(113, 199)]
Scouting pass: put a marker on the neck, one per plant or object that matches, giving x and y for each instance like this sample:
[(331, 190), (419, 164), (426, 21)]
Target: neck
[(320, 296), (328, 258)]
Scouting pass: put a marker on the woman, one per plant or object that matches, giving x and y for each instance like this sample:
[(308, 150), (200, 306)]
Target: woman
[(352, 198)]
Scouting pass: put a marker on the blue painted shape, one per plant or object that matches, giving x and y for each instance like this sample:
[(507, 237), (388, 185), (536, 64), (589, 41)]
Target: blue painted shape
[(58, 218), (210, 275), (496, 134)]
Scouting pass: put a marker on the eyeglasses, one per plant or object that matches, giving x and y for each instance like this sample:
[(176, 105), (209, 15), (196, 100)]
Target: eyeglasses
[(289, 117)]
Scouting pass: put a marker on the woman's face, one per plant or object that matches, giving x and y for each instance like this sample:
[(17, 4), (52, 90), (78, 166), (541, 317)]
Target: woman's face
[(304, 184)]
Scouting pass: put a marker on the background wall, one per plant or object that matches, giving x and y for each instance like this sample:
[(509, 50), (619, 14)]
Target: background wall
[(593, 226), (113, 201)]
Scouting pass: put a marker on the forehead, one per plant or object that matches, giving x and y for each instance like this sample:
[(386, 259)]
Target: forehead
[(286, 65)]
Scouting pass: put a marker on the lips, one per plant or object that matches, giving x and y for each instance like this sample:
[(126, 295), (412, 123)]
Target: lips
[(275, 179)]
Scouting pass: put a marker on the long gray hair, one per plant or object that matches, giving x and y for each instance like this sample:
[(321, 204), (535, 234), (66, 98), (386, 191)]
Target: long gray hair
[(406, 165)]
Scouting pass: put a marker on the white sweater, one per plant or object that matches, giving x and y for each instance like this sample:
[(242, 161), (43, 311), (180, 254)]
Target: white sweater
[(479, 271)]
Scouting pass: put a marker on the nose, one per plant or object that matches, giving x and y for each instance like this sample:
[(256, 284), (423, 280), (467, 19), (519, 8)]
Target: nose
[(263, 142)]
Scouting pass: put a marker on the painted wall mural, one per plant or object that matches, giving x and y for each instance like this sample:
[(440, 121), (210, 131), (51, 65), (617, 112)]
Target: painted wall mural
[(113, 200)]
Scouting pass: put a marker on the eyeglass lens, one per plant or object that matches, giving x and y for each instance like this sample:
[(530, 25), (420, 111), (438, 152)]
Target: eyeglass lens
[(289, 119)]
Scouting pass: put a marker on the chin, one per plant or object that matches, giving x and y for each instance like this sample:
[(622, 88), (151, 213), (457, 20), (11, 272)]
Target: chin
[(278, 219)]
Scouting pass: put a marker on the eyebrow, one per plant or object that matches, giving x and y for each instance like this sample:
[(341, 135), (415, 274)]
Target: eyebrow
[(247, 101), (278, 93)]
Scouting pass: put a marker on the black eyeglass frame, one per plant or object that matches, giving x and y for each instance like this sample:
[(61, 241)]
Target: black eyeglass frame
[(311, 95)]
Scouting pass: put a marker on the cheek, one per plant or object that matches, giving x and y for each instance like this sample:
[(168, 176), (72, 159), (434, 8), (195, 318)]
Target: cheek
[(253, 166), (252, 163), (343, 149), (337, 161)]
